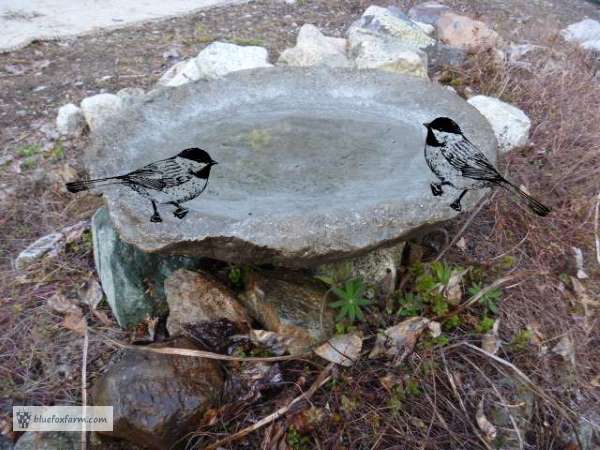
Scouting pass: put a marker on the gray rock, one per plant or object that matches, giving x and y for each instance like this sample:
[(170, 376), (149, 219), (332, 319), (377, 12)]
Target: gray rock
[(313, 47), (585, 32), (50, 440), (48, 244), (132, 280), (97, 109), (510, 124), (295, 185), (181, 73), (70, 120), (373, 52), (428, 12), (157, 399), (289, 305), (130, 95), (195, 297)]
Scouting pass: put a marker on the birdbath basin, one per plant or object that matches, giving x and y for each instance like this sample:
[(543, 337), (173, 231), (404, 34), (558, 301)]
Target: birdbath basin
[(314, 164)]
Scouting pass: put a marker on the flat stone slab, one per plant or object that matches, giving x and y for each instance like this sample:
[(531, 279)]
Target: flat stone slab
[(315, 164)]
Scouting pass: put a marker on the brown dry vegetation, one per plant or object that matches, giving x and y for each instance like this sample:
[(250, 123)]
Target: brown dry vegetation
[(439, 387)]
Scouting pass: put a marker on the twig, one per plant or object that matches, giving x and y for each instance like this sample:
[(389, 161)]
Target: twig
[(596, 232), (320, 381), (464, 227), (204, 354), (84, 388)]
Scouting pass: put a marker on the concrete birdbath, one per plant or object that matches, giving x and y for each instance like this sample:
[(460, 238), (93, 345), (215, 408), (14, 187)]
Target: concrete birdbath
[(314, 164)]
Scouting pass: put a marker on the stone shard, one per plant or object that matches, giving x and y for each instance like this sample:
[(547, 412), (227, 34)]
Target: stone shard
[(510, 124), (198, 297), (132, 280), (157, 399), (290, 306), (40, 248), (315, 164), (313, 47), (221, 58)]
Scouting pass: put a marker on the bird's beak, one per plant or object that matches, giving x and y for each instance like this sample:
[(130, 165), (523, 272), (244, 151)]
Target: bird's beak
[(426, 124), (213, 163)]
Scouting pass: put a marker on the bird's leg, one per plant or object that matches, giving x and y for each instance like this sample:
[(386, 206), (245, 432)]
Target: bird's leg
[(155, 217), (456, 203), (436, 189), (180, 212)]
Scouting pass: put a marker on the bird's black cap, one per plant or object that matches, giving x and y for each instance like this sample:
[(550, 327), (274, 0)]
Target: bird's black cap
[(444, 124), (198, 155)]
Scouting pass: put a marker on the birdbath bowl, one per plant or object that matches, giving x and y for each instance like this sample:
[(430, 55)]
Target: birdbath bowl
[(314, 164)]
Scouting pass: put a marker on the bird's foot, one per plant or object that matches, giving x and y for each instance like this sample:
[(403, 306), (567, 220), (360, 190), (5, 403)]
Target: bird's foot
[(436, 189), (180, 213), (155, 218), (455, 205)]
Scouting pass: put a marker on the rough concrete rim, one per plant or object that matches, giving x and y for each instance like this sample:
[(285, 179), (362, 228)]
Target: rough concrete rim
[(231, 244)]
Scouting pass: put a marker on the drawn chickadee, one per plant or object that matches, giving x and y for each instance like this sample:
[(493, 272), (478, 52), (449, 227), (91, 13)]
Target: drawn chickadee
[(173, 181), (461, 165)]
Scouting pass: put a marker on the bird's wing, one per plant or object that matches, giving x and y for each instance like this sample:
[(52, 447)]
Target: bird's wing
[(159, 175), (471, 162)]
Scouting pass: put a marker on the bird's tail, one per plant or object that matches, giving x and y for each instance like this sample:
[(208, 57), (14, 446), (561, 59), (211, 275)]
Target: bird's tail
[(84, 185), (537, 207)]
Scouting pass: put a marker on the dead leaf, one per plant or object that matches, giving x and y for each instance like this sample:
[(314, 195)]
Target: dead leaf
[(60, 304), (341, 349), (390, 381), (76, 323), (453, 290), (462, 244), (91, 293), (587, 302), (565, 349), (595, 381), (579, 263), (489, 430), (435, 328), (490, 342), (398, 341), (102, 317)]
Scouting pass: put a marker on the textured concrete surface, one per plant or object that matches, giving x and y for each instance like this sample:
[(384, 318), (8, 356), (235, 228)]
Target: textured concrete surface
[(23, 21), (315, 164)]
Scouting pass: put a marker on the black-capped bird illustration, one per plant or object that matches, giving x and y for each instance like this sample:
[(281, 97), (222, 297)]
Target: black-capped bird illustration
[(459, 164), (173, 181)]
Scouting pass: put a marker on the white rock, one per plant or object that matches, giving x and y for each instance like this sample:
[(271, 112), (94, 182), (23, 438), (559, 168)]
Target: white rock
[(372, 52), (98, 108), (181, 73), (510, 124), (313, 47), (70, 120), (44, 245), (586, 33), (465, 33), (220, 58)]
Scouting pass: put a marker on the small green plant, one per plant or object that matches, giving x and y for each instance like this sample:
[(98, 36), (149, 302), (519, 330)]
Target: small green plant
[(351, 300), (248, 41), (452, 323), (29, 150), (57, 153), (297, 440), (522, 339), (411, 305), (29, 163), (235, 276), (485, 325), (490, 300)]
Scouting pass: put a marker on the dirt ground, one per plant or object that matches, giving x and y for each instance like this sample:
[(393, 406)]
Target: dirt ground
[(36, 80)]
